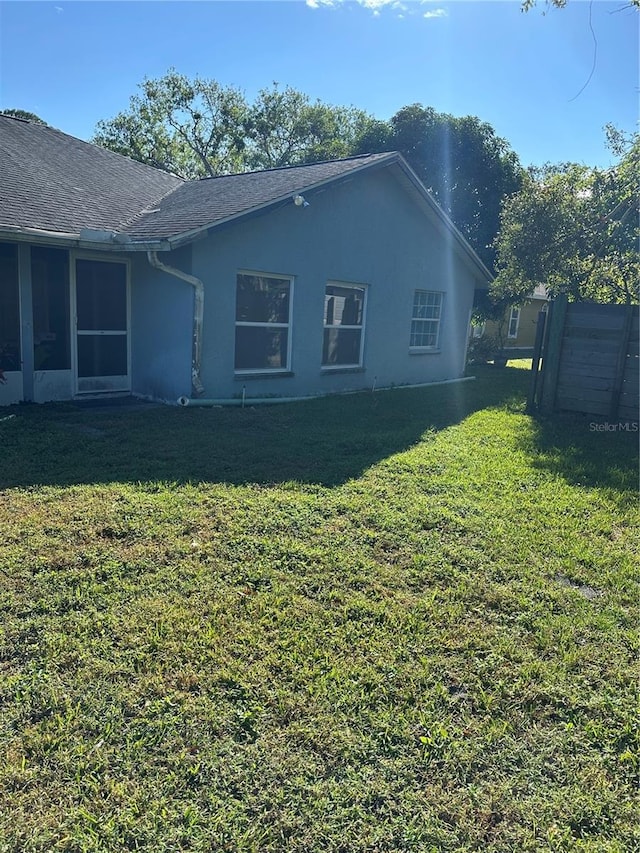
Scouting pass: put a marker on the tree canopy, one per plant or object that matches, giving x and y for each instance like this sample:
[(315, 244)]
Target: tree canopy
[(199, 128), (574, 229), (193, 128)]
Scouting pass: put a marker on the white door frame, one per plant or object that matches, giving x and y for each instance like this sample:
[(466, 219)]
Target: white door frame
[(99, 384)]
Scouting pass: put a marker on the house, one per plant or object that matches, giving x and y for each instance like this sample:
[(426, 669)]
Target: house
[(516, 330), (118, 278)]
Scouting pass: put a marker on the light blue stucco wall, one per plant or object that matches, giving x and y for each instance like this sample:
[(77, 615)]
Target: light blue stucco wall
[(161, 326), (368, 230)]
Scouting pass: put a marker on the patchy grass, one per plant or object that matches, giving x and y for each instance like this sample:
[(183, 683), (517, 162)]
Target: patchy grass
[(393, 622)]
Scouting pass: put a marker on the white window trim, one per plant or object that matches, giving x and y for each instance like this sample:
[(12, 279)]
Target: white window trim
[(248, 371), (436, 346), (514, 315), (354, 286)]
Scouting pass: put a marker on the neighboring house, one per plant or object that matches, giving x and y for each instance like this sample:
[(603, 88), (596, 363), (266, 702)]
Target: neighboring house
[(517, 329), (118, 278)]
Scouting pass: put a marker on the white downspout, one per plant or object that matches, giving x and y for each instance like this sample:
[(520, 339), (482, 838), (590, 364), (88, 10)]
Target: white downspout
[(198, 313)]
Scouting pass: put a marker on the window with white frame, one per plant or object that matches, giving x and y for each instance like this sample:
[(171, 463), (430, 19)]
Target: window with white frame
[(263, 322), (514, 322), (344, 312), (425, 319)]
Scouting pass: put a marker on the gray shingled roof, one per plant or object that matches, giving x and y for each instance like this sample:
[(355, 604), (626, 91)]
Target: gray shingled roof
[(198, 204), (55, 182)]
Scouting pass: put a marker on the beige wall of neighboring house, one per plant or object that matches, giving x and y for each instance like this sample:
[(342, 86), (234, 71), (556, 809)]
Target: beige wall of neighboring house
[(518, 327)]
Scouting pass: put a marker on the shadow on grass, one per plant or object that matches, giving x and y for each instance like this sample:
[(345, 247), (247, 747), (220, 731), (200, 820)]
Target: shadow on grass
[(587, 451), (325, 441)]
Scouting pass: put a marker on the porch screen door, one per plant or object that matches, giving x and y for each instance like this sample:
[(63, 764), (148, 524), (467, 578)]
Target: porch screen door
[(102, 326)]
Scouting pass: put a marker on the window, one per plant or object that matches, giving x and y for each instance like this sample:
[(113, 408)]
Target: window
[(477, 329), (514, 322), (343, 325), (10, 358), (263, 323), (50, 284), (425, 319)]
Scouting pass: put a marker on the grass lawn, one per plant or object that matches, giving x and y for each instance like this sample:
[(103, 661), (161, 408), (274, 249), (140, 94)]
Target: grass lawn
[(393, 622)]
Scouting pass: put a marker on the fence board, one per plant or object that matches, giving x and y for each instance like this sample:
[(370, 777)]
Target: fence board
[(628, 413), (630, 392), (569, 404), (599, 322), (587, 383), (631, 374), (595, 308), (587, 395), (625, 337), (584, 333), (577, 371), (553, 351), (580, 345), (590, 360)]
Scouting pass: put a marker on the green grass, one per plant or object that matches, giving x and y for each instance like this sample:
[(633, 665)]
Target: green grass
[(392, 622)]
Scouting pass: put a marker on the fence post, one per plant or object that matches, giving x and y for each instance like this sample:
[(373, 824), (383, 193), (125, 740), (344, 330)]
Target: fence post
[(535, 361), (620, 363), (553, 349)]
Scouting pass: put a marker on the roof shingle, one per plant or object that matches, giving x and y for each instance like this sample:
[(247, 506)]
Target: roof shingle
[(55, 182)]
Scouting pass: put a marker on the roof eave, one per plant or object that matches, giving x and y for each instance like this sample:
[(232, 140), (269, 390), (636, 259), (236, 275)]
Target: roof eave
[(75, 241)]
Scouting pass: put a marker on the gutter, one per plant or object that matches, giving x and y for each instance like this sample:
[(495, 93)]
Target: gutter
[(198, 314), (93, 239)]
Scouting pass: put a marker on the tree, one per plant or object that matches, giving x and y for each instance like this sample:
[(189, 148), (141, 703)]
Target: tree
[(575, 230), (25, 115), (193, 128), (197, 128), (284, 128), (467, 167)]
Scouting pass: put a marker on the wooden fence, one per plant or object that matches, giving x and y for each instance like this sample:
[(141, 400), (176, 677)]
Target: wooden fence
[(589, 358)]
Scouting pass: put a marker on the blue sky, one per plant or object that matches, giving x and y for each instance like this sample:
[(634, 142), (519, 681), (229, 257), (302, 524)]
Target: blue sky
[(74, 63)]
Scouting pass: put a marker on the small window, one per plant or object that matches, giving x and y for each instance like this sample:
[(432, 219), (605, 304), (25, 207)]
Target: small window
[(10, 358), (263, 323), (514, 322), (343, 340), (477, 330), (425, 319)]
